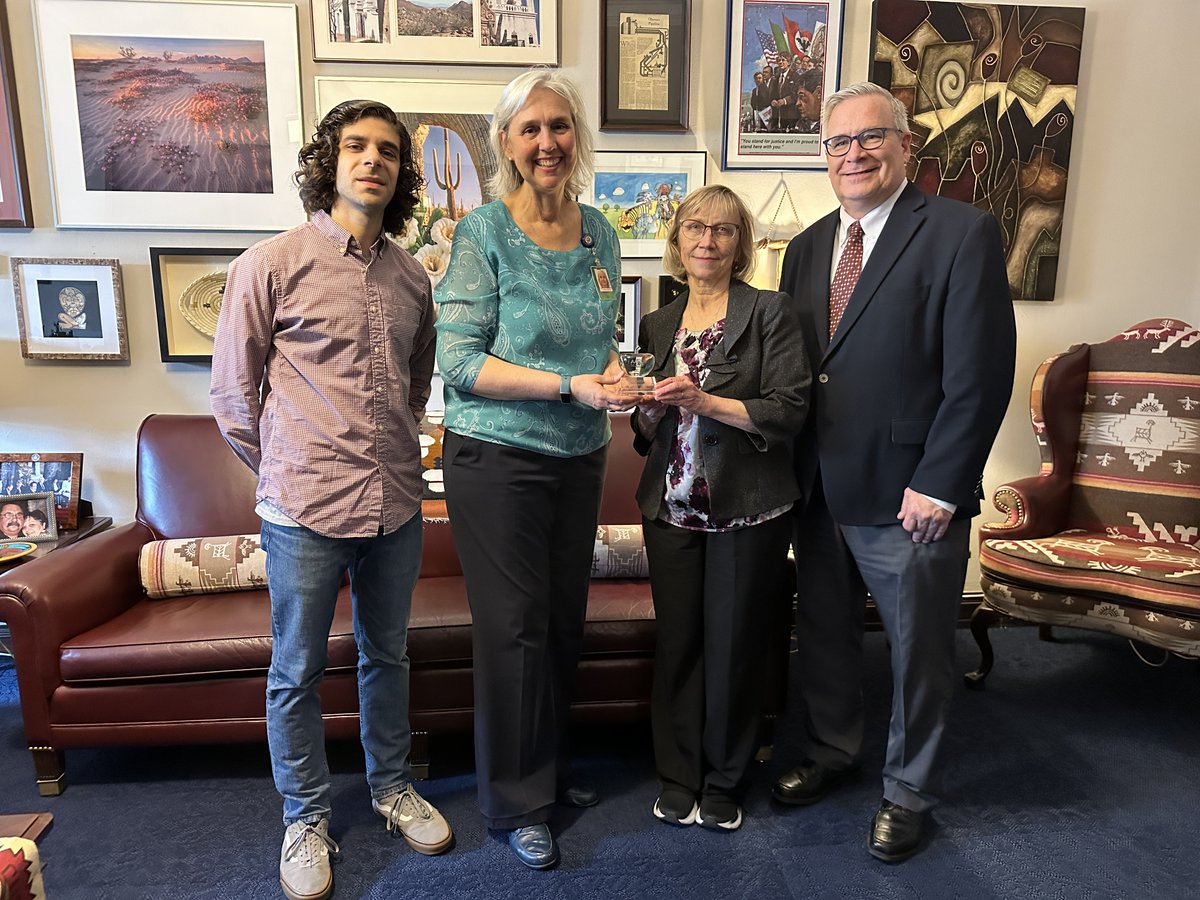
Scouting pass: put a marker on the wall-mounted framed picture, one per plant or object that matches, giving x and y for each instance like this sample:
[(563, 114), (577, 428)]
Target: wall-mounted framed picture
[(28, 517), (58, 473), (480, 32), (644, 64), (783, 60), (448, 122), (171, 114), (70, 308), (668, 289), (189, 284), (639, 192), (629, 315), (15, 209)]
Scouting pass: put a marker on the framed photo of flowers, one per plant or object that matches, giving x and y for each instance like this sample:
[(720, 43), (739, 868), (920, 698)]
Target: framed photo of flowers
[(448, 122), (70, 308), (639, 192), (466, 32), (163, 114)]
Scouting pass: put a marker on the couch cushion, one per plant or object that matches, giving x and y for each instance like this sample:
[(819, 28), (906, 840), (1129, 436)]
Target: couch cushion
[(1155, 572), (203, 565), (620, 552)]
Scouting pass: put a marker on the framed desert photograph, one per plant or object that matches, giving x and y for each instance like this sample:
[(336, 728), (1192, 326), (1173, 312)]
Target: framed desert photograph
[(783, 60), (465, 32), (15, 209), (28, 517), (189, 284), (69, 308), (57, 473), (639, 192), (171, 114), (644, 64)]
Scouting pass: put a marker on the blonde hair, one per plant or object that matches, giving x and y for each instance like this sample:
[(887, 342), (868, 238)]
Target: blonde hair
[(725, 202)]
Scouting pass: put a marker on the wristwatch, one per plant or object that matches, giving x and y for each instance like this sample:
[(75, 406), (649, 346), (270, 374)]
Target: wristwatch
[(564, 389)]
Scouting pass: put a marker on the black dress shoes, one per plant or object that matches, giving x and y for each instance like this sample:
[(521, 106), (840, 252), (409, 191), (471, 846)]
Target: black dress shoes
[(809, 782), (534, 846), (577, 796), (897, 833)]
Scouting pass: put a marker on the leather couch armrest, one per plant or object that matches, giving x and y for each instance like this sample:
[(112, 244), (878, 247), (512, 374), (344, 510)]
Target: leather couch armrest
[(1035, 507)]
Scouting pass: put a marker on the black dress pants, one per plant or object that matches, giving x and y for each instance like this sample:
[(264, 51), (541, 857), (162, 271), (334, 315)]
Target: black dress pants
[(524, 524), (712, 601)]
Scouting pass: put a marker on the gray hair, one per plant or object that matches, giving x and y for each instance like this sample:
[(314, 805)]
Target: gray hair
[(867, 89), (516, 93)]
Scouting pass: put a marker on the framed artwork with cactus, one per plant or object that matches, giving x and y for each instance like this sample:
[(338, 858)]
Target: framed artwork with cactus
[(171, 114), (448, 122), (466, 32)]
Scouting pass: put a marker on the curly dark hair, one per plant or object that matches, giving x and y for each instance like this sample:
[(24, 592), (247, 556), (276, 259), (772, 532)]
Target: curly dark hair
[(317, 176)]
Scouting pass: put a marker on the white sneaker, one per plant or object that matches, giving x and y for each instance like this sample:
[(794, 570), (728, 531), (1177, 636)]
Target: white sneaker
[(425, 829), (304, 870)]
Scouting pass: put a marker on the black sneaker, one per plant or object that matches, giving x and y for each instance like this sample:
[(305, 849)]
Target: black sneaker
[(719, 814), (676, 806)]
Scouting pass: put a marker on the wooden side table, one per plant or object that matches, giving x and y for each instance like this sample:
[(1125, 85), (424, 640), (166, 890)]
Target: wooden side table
[(31, 826)]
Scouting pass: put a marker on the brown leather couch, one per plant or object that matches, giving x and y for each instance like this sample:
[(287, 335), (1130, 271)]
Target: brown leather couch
[(99, 664)]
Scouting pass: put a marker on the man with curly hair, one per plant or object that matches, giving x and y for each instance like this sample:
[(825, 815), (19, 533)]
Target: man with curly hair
[(321, 370)]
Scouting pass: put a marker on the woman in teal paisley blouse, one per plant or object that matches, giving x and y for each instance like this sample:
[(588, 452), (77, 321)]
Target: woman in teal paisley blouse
[(525, 325)]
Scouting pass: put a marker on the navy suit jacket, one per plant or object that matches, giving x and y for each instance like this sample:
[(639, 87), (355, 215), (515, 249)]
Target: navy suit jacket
[(912, 388)]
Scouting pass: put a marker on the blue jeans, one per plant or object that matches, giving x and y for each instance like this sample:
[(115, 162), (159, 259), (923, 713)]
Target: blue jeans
[(304, 574)]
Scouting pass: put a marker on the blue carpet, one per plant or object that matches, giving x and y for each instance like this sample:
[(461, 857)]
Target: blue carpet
[(1072, 775)]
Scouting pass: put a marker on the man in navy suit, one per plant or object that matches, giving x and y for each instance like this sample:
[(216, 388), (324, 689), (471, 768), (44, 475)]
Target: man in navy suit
[(909, 390)]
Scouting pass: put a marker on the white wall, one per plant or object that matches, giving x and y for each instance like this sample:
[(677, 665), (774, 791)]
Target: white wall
[(1128, 246)]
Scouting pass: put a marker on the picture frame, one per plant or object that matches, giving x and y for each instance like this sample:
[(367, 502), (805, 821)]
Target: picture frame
[(496, 32), (70, 308), (59, 473), (804, 37), (644, 63), (37, 507), (16, 210), (179, 114), (189, 283), (446, 120), (669, 289), (629, 314), (638, 193)]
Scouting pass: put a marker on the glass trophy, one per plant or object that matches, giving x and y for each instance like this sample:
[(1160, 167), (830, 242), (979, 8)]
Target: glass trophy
[(635, 381)]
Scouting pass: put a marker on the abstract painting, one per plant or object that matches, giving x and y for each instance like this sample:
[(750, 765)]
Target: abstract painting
[(991, 93)]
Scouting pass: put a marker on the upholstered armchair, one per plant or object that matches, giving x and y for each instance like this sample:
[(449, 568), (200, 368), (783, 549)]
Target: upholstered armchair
[(1107, 535)]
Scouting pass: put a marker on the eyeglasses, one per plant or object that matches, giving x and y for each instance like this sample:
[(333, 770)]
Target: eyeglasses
[(11, 516), (722, 231), (868, 139)]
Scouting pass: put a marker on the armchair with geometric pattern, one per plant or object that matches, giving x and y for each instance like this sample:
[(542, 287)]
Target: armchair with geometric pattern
[(1107, 535)]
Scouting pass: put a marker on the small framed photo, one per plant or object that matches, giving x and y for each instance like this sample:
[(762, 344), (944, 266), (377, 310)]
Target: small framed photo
[(669, 289), (479, 32), (28, 517), (782, 61), (34, 473), (638, 194), (189, 285), (629, 315), (644, 64), (70, 308)]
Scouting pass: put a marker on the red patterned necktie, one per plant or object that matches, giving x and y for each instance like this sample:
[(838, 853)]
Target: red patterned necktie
[(846, 277)]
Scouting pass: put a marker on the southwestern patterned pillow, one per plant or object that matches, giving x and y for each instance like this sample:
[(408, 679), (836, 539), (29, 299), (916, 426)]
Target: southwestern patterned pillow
[(620, 552), (206, 565)]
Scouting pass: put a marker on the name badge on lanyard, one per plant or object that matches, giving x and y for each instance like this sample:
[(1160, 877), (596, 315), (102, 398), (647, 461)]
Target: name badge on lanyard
[(600, 274)]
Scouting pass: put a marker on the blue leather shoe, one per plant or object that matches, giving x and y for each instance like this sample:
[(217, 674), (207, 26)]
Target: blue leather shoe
[(534, 846)]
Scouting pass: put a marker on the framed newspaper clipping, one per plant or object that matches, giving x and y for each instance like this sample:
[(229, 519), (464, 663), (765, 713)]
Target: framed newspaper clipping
[(644, 64)]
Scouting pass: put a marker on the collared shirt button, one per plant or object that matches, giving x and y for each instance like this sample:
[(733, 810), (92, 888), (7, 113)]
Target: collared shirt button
[(710, 439), (823, 378)]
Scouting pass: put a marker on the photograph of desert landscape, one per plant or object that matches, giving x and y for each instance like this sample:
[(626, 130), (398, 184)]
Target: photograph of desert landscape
[(172, 114)]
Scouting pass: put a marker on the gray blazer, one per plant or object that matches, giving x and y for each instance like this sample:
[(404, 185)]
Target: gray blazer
[(761, 361)]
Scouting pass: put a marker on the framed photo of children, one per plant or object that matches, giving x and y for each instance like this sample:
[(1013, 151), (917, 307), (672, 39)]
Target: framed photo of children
[(171, 114), (479, 32), (69, 308), (644, 64), (638, 194), (35, 473), (629, 314), (28, 517), (783, 61)]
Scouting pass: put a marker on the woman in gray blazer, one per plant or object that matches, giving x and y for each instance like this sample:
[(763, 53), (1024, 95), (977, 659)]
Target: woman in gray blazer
[(731, 389)]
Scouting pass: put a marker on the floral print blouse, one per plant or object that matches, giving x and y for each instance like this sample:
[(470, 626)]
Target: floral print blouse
[(687, 504)]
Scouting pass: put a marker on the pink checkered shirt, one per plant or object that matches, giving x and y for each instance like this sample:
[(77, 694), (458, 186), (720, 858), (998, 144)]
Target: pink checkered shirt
[(342, 348)]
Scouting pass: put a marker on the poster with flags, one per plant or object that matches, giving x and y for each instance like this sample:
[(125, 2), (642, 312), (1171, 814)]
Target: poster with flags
[(783, 60)]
